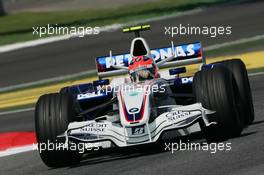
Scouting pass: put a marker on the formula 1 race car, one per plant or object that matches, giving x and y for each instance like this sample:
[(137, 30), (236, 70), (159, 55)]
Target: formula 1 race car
[(146, 98)]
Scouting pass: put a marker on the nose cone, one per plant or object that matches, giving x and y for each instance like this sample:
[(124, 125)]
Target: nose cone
[(133, 104)]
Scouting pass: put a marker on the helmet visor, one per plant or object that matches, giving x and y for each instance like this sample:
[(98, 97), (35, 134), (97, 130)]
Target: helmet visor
[(143, 74)]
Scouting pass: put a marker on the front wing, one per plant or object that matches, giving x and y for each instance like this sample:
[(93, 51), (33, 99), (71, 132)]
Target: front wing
[(100, 131)]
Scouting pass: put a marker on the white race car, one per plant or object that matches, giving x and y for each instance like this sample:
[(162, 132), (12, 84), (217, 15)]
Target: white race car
[(149, 99)]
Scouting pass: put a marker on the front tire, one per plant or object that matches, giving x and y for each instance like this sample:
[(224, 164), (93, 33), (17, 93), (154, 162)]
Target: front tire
[(52, 115), (216, 89)]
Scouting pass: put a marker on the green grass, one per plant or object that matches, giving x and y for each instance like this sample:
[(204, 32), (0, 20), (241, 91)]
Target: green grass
[(18, 27)]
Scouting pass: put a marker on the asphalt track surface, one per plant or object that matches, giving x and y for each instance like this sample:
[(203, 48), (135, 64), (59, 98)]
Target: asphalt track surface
[(245, 158), (76, 55), (26, 65)]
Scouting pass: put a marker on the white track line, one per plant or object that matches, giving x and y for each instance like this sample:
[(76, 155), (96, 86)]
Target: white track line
[(110, 28), (17, 150), (48, 80), (230, 43), (16, 111), (256, 74), (42, 41)]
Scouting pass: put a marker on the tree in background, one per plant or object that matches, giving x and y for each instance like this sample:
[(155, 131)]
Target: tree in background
[(2, 10)]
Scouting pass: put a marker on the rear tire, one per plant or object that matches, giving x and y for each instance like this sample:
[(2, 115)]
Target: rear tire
[(52, 115), (238, 68), (216, 89)]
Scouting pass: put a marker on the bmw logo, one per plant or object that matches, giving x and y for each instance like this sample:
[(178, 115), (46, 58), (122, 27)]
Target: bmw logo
[(133, 110)]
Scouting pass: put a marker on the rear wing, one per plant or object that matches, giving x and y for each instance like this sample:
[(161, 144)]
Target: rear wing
[(185, 54)]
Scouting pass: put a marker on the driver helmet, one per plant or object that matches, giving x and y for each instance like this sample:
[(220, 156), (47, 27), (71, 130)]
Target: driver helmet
[(142, 68)]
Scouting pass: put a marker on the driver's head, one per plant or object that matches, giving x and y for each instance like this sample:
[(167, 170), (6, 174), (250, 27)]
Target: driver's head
[(142, 68)]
